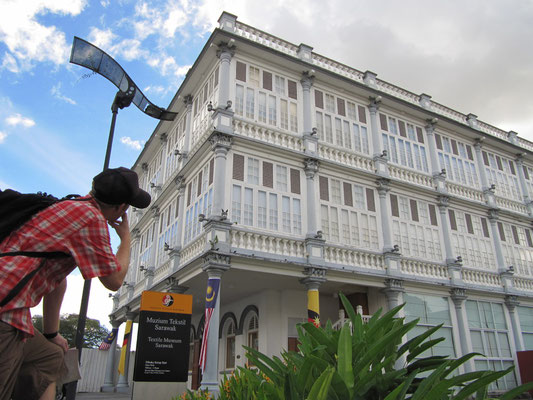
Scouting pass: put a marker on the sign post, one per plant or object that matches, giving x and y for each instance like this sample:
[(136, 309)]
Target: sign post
[(162, 353)]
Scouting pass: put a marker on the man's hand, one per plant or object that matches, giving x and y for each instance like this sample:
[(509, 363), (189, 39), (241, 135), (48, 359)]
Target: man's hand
[(121, 226), (61, 342)]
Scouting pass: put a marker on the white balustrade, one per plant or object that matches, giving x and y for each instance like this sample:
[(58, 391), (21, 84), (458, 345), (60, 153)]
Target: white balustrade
[(465, 192), (511, 205), (193, 249), (264, 134), (340, 156), (411, 176), (266, 243), (425, 269), (525, 285), (354, 258), (481, 278)]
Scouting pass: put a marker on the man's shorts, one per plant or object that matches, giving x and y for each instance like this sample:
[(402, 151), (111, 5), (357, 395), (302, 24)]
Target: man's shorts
[(27, 368)]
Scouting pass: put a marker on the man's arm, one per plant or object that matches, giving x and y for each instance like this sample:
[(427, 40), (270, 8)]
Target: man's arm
[(115, 279), (51, 309)]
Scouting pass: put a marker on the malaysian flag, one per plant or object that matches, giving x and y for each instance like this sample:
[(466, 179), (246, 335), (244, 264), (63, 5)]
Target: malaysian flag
[(213, 284), (106, 343)]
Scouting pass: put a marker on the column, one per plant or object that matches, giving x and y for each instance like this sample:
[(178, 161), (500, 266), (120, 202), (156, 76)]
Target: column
[(383, 189), (314, 243), (220, 144), (225, 53), (314, 277), (123, 385), (175, 251), (188, 130), (511, 303), (488, 187), (523, 185), (459, 297), (173, 286), (215, 264), (493, 219), (109, 385), (444, 203), (309, 133), (380, 156), (394, 292), (439, 176)]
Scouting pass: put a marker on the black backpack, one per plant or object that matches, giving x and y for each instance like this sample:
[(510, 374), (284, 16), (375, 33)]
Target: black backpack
[(16, 209)]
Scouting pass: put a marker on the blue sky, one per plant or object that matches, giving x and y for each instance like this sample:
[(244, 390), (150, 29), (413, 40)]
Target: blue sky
[(54, 116)]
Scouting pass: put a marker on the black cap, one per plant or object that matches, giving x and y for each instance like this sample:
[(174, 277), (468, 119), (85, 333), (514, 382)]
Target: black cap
[(120, 186)]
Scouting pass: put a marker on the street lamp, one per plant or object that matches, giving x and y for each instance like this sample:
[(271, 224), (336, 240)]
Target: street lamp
[(89, 56)]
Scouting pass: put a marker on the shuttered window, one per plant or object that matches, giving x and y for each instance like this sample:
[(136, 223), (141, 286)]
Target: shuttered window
[(469, 153), (401, 125), (370, 202), (267, 80), (268, 176), (189, 189), (511, 166), (414, 210), (295, 181), (438, 141), (453, 223), (348, 197), (362, 114), (394, 205), (241, 71), (324, 190), (528, 238), (515, 234), (469, 225), (199, 190), (211, 170), (341, 107), (485, 227), (502, 232), (419, 134), (455, 150), (319, 99), (383, 122), (526, 173), (433, 215), (238, 167), (485, 158), (292, 89)]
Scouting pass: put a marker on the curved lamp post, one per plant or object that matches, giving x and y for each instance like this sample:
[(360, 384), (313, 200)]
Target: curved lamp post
[(89, 56)]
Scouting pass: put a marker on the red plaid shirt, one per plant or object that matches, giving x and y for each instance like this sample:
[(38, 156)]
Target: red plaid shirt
[(75, 227)]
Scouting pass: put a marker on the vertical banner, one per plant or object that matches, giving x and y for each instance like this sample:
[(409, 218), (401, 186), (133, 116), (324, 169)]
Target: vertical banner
[(163, 340), (124, 350), (313, 311), (213, 285), (106, 343)]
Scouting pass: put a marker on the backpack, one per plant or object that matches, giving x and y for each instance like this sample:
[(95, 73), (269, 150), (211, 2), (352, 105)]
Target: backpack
[(15, 210)]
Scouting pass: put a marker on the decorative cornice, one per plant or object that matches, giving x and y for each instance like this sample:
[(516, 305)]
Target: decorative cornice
[(493, 214), (226, 50), (394, 284), (511, 301), (383, 186), (216, 263), (311, 167), (220, 141), (375, 102), (444, 201)]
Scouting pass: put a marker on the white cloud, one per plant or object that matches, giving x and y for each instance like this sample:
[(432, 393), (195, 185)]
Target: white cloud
[(56, 92), (3, 137), (17, 119), (105, 3), (101, 38), (134, 144), (155, 89), (28, 40), (10, 63)]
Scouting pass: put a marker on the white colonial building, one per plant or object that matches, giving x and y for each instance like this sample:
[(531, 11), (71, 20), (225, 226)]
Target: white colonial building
[(287, 172)]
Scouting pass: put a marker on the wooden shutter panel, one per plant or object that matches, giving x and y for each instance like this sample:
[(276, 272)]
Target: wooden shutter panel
[(395, 210), (469, 225), (268, 175), (526, 173), (455, 150), (438, 141), (362, 114), (199, 191), (485, 158), (453, 223), (515, 234), (432, 215), (177, 208), (211, 170), (341, 107), (414, 210), (419, 135), (267, 80), (511, 166), (499, 162), (295, 181), (324, 190), (189, 189), (383, 122), (293, 93), (319, 99), (348, 197), (528, 238), (401, 124), (469, 153), (485, 227), (502, 232), (370, 202), (238, 167), (241, 71)]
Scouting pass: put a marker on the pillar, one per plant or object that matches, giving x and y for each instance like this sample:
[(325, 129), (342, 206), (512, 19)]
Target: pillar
[(175, 251), (307, 82), (314, 242), (459, 297), (123, 385), (500, 261), (215, 264), (109, 385), (220, 144), (173, 286), (225, 53), (380, 157), (383, 189), (444, 203), (394, 292), (511, 302), (184, 153), (314, 277), (439, 175)]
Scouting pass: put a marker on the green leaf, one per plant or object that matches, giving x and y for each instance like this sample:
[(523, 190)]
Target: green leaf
[(344, 362), (320, 388), (511, 394), (400, 392), (423, 347), (484, 380)]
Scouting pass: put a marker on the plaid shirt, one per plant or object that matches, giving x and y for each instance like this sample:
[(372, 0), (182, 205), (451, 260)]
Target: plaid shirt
[(74, 227)]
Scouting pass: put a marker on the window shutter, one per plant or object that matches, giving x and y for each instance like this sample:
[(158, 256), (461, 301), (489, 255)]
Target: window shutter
[(528, 237), (348, 197), (438, 141), (241, 71), (324, 190), (362, 114), (526, 173), (502, 232), (401, 124), (267, 80), (469, 225), (394, 205), (293, 93), (511, 166), (238, 167), (383, 122), (341, 107), (177, 208), (370, 203), (295, 181), (469, 153), (319, 99), (189, 194), (199, 191), (455, 150), (515, 234), (432, 215), (499, 162), (485, 158), (211, 170), (414, 210), (268, 175), (453, 223), (419, 135), (485, 227)]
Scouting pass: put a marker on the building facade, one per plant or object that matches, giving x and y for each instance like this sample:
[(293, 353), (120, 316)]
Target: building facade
[(288, 174)]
